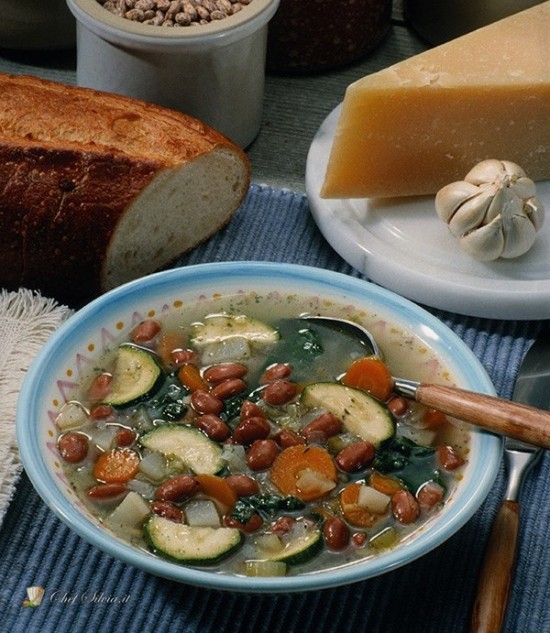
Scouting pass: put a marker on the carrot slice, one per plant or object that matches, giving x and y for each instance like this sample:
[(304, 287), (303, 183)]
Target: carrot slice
[(116, 466), (168, 342), (372, 375), (385, 484), (306, 472), (217, 489), (357, 515), (432, 419), (191, 378)]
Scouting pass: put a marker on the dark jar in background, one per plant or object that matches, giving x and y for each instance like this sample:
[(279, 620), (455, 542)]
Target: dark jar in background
[(316, 35)]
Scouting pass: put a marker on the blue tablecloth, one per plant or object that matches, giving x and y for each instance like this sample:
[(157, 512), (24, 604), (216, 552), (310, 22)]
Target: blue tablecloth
[(88, 591)]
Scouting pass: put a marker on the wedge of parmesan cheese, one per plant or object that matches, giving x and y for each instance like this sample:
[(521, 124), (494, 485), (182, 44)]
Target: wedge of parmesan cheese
[(426, 121)]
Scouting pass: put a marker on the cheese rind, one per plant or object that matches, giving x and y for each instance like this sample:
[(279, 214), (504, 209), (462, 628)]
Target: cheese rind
[(424, 122)]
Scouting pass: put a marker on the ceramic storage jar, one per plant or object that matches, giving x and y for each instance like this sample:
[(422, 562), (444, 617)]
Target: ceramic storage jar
[(318, 35), (213, 71)]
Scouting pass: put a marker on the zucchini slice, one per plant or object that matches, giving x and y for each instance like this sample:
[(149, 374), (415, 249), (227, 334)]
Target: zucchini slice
[(301, 549), (359, 412), (199, 453), (191, 545), (221, 327), (136, 376)]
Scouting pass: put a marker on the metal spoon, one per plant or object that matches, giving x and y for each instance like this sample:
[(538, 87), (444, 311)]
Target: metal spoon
[(512, 419)]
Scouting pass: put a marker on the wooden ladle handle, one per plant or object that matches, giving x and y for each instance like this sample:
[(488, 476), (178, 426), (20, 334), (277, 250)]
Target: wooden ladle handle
[(512, 419), (497, 571)]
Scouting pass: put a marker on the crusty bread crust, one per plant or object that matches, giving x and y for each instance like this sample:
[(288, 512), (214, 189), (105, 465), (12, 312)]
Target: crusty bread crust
[(78, 166)]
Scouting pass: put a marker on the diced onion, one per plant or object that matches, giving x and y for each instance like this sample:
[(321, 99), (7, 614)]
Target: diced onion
[(269, 543), (104, 438), (202, 513), (144, 488), (130, 513), (72, 416), (231, 349), (234, 456), (153, 466), (373, 500)]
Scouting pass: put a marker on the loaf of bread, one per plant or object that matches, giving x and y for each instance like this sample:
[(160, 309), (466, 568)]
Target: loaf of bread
[(97, 189)]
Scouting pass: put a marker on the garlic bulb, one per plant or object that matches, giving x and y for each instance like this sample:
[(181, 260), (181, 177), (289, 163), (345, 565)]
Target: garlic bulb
[(494, 211)]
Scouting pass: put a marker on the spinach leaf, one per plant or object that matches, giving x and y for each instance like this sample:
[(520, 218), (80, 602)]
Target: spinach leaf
[(412, 463)]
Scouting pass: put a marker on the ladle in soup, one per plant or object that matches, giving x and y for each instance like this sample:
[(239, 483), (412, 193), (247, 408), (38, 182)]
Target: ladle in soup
[(512, 419)]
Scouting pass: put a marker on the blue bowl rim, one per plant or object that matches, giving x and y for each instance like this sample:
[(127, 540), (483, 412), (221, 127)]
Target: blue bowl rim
[(132, 292)]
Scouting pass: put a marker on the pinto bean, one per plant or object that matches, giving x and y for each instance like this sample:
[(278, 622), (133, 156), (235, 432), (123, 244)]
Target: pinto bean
[(167, 510), (275, 372), (125, 437), (250, 409), (146, 331), (176, 488), (101, 411), (261, 454), (73, 447), (205, 402), (242, 485), (282, 526), (228, 388), (224, 371), (398, 406), (213, 426), (180, 357), (252, 525), (324, 426), (355, 456), (100, 387), (251, 429), (336, 533), (430, 494), (404, 507), (287, 437), (449, 458), (107, 491), (279, 392)]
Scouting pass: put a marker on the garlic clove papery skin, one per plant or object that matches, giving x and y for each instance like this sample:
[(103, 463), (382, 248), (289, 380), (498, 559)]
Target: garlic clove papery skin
[(471, 213), (448, 199), (494, 211), (534, 210), (519, 236), (491, 170), (485, 243)]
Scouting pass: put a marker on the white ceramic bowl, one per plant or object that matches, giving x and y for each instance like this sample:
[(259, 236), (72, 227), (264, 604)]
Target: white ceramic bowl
[(214, 72), (66, 354)]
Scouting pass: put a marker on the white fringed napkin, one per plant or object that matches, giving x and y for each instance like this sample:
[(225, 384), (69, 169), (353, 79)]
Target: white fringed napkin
[(26, 321)]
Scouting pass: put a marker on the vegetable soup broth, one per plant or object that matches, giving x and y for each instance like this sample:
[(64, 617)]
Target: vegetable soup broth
[(405, 354)]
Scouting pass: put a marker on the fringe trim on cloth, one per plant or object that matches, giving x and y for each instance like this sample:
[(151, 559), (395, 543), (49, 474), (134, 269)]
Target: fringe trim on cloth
[(26, 321)]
